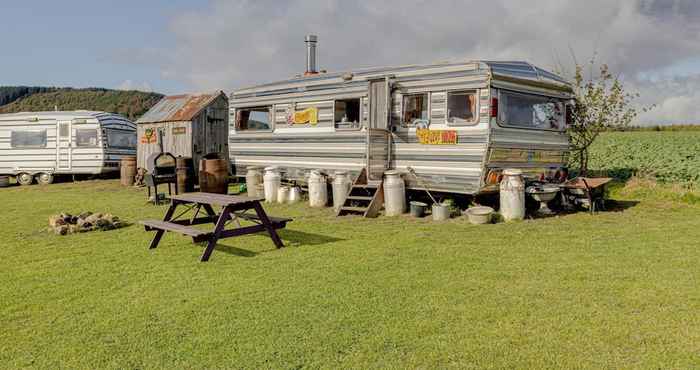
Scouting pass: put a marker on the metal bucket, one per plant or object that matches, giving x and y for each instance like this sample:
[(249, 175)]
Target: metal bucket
[(512, 195), (271, 180), (480, 215), (441, 212), (318, 190), (252, 178), (417, 209), (394, 194), (341, 187)]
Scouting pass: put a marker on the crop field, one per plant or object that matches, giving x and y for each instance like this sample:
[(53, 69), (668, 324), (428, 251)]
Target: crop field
[(667, 156)]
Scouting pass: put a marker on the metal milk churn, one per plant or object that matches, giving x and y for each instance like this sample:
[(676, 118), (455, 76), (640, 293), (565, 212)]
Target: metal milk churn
[(252, 178), (341, 187), (512, 194), (318, 189), (394, 193), (272, 180)]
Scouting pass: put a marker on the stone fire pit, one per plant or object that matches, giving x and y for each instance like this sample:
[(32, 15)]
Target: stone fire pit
[(65, 223)]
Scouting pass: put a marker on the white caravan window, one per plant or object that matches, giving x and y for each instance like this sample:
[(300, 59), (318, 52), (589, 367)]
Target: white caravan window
[(121, 139), (461, 107), (347, 113), (253, 119), (415, 109), (86, 137), (28, 139), (531, 111)]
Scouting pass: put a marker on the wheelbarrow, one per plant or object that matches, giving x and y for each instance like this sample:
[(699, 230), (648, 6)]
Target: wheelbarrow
[(586, 191)]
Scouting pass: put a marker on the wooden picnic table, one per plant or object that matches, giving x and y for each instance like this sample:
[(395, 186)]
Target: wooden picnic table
[(233, 208)]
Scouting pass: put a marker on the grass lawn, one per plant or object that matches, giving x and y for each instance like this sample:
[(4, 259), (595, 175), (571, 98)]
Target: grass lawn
[(615, 290)]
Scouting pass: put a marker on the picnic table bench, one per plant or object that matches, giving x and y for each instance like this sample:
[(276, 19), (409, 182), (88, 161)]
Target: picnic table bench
[(233, 209)]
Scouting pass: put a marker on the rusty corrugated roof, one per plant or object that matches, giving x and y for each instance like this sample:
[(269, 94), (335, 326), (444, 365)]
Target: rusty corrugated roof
[(178, 108)]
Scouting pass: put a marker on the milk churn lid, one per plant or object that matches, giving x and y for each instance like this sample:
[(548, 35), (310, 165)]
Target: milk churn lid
[(271, 168), (512, 172), (391, 173)]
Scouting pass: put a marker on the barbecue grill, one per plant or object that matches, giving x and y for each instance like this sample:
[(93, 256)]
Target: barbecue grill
[(161, 170)]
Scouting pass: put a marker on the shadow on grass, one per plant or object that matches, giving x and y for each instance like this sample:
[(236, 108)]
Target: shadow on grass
[(290, 238)]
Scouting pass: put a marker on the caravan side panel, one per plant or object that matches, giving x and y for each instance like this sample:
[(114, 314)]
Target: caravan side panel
[(14, 160)]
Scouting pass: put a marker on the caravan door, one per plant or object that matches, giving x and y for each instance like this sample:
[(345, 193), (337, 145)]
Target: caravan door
[(378, 132), (64, 145)]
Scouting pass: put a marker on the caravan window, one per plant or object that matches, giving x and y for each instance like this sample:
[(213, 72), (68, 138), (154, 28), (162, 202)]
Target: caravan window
[(347, 113), (121, 139), (415, 109), (531, 111), (86, 137), (28, 139), (253, 119), (461, 107)]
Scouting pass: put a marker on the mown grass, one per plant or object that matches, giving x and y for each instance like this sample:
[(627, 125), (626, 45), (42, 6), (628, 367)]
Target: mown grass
[(614, 290)]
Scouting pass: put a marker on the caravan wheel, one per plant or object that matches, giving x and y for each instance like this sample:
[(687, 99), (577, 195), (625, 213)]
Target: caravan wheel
[(44, 178), (25, 178)]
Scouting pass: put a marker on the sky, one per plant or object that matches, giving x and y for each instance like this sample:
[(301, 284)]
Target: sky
[(176, 46)]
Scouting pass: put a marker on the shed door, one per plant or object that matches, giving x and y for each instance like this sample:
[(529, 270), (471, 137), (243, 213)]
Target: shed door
[(378, 135), (64, 144)]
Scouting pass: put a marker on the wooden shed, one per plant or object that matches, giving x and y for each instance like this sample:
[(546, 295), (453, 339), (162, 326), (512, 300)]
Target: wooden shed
[(192, 125)]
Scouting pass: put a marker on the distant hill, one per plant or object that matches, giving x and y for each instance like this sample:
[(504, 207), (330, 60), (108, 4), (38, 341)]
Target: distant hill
[(131, 104)]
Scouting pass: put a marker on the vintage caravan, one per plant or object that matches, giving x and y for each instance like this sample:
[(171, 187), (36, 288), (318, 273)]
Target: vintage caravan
[(458, 125), (39, 145), (188, 125)]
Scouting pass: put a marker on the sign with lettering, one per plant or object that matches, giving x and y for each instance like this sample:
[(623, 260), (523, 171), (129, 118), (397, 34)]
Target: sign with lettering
[(437, 137), (179, 130), (149, 137)]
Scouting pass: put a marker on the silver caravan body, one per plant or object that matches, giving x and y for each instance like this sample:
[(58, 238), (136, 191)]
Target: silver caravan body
[(75, 142), (456, 124)]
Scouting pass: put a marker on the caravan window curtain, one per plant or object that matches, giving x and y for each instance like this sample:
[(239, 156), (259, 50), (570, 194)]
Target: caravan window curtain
[(86, 137), (28, 139)]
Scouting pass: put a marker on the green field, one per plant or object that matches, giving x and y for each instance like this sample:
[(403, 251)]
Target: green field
[(667, 156), (614, 290)]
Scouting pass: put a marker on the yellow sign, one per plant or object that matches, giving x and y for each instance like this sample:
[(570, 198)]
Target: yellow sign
[(308, 115), (149, 137), (437, 137)]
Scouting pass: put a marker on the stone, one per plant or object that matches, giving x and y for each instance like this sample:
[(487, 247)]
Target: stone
[(84, 215), (61, 230), (56, 220), (93, 218)]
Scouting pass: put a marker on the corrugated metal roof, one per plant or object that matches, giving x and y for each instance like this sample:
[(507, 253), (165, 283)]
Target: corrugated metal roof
[(178, 108)]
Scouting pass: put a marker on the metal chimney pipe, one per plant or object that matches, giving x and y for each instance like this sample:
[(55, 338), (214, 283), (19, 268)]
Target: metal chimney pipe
[(311, 41)]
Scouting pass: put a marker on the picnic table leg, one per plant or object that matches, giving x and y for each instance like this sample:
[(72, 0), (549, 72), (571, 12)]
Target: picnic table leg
[(159, 233), (220, 224), (268, 225)]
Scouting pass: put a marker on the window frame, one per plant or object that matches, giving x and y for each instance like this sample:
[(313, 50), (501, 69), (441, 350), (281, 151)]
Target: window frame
[(270, 114), (359, 118), (106, 143), (42, 131), (500, 107), (428, 108), (97, 138), (453, 122)]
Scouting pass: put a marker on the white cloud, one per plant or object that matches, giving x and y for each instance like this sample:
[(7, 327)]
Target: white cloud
[(131, 85), (236, 43)]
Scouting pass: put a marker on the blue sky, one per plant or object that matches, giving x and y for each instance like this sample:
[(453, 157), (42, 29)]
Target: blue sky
[(74, 42), (181, 46)]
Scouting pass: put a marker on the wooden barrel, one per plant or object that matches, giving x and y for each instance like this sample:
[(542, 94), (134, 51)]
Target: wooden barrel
[(185, 174), (128, 170), (213, 176), (4, 181)]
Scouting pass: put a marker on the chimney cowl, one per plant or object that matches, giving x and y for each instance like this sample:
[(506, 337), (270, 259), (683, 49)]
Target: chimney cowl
[(311, 41)]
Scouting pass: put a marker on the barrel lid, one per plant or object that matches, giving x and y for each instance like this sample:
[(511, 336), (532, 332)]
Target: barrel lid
[(512, 172)]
